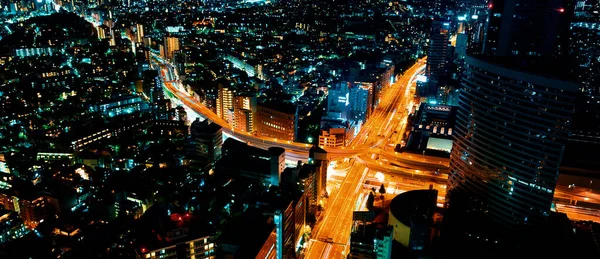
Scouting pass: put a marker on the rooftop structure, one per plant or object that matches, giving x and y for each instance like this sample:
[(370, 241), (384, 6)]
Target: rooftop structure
[(411, 216)]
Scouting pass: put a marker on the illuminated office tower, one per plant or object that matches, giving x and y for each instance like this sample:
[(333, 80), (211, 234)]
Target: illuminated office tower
[(147, 41), (585, 46), (511, 128), (277, 120), (437, 54), (171, 45), (139, 32), (225, 102), (245, 113), (514, 116)]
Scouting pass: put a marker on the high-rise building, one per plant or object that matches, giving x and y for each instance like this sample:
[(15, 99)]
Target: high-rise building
[(225, 103), (279, 230), (511, 128), (32, 210), (318, 157), (361, 101), (207, 139), (171, 45), (277, 120), (338, 100), (162, 109), (515, 113), (437, 54), (461, 45), (585, 49), (528, 28), (147, 41), (585, 46), (139, 32), (245, 113), (153, 91)]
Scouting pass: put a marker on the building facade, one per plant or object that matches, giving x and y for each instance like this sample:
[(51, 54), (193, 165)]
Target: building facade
[(171, 45), (225, 103), (203, 247), (31, 210), (245, 108), (277, 123), (509, 139), (437, 54), (528, 28), (207, 139)]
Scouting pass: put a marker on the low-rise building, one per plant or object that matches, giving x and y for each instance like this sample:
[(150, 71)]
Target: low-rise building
[(32, 210), (121, 104), (203, 247), (371, 237), (333, 137), (11, 226), (254, 163), (278, 120)]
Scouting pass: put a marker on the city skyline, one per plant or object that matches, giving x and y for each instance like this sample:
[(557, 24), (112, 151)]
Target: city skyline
[(299, 129)]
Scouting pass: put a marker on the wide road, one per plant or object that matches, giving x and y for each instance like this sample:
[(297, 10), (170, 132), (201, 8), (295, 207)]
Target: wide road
[(371, 150), (398, 100), (331, 235)]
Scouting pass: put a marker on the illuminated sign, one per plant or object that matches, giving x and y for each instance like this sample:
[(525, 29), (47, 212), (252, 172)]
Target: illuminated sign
[(174, 29), (441, 108)]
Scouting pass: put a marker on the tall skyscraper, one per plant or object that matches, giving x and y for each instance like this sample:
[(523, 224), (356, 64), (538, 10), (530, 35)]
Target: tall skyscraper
[(528, 27), (585, 45), (510, 133), (139, 32), (437, 54), (513, 120)]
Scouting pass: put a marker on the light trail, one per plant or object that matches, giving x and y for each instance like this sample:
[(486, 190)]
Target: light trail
[(331, 234)]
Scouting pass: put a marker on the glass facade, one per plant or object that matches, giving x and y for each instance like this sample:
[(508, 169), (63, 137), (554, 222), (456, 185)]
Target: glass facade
[(509, 138)]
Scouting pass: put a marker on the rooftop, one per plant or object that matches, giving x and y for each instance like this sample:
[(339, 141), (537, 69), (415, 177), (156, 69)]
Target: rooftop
[(414, 206)]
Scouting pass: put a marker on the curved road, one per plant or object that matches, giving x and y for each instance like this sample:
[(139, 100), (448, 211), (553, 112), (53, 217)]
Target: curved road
[(299, 150)]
